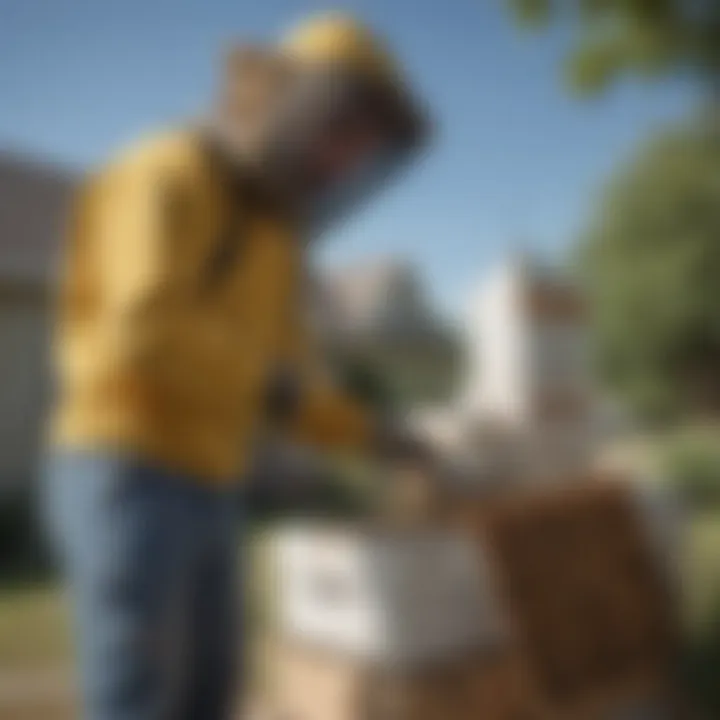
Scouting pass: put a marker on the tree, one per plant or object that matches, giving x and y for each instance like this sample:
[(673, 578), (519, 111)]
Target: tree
[(649, 37), (651, 258), (651, 263), (363, 380)]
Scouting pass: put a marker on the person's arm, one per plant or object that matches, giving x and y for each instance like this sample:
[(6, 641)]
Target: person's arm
[(307, 403), (312, 408)]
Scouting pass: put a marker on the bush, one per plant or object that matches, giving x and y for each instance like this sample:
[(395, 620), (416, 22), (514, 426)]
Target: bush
[(701, 662), (22, 551), (692, 465)]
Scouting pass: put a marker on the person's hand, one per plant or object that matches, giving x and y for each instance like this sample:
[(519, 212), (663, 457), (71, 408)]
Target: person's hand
[(413, 490), (397, 444)]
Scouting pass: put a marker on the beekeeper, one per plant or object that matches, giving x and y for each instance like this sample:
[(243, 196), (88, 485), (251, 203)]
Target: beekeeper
[(180, 329)]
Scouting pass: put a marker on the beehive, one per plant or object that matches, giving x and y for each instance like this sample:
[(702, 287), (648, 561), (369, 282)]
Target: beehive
[(569, 613), (586, 596)]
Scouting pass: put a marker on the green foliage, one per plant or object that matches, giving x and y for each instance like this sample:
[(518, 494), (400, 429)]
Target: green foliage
[(651, 264), (692, 464), (701, 665), (646, 37), (531, 12), (364, 381), (22, 552)]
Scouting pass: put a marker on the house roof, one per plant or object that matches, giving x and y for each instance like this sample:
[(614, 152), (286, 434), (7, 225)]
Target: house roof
[(381, 300)]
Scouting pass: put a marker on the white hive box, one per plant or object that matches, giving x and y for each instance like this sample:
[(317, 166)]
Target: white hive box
[(390, 597)]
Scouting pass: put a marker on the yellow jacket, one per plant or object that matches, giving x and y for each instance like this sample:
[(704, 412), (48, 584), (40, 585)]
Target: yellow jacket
[(178, 300)]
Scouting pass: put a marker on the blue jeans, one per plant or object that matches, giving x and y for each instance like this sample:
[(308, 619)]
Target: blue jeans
[(150, 557)]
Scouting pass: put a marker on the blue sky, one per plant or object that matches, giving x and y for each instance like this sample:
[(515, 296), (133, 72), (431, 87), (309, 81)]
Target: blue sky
[(516, 160)]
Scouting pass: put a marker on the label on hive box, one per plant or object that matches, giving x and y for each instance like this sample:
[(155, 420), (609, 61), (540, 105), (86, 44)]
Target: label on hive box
[(586, 594), (394, 597)]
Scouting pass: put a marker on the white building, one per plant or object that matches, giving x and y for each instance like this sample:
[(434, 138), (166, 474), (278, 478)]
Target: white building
[(526, 409)]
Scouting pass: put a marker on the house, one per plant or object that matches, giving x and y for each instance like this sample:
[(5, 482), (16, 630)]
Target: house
[(33, 199), (378, 312)]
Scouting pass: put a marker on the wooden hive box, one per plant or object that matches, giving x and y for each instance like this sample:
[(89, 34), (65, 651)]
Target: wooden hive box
[(315, 684), (586, 597)]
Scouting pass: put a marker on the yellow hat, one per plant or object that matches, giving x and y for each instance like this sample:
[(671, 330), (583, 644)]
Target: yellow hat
[(339, 39)]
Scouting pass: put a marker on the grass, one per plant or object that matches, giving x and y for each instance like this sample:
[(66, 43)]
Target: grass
[(34, 632), (701, 571), (35, 654)]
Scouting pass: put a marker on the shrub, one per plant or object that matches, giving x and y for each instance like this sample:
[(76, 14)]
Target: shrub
[(692, 465), (22, 551)]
